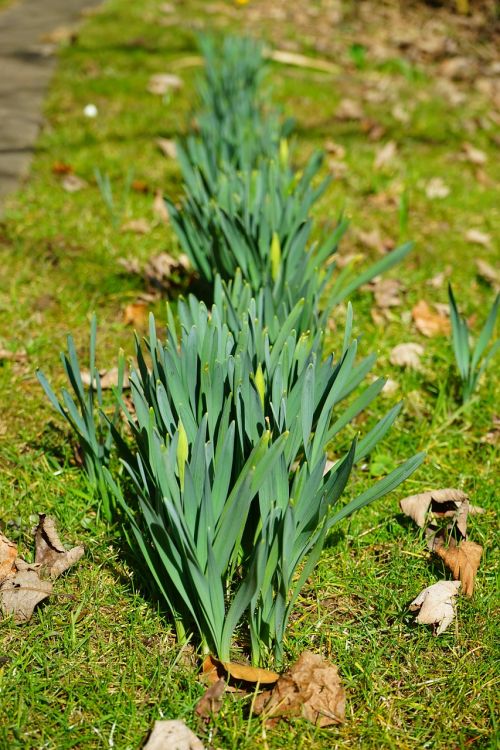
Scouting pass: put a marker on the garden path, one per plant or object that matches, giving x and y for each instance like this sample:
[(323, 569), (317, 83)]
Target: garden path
[(28, 42)]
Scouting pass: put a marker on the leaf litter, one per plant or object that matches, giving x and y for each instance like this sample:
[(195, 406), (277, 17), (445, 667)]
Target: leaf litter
[(24, 585), (436, 605), (172, 735)]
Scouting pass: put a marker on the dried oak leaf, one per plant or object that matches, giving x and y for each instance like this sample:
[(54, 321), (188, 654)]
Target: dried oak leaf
[(463, 561), (8, 554), (172, 735), (211, 701), (446, 503), (407, 355), (21, 592), (436, 605), (428, 322), (311, 689), (50, 553)]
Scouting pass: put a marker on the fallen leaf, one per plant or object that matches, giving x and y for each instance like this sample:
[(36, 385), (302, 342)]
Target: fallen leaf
[(335, 149), (486, 272), (390, 387), (172, 735), (21, 592), (8, 554), (131, 265), (372, 239), (140, 186), (109, 379), (20, 356), (211, 701), (72, 183), (407, 355), (385, 155), (60, 35), (159, 269), (349, 109), (167, 147), (458, 68), (386, 292), (311, 689), (50, 553), (473, 154), (428, 322), (244, 672), (437, 281), (159, 208), (136, 314), (60, 167), (477, 237), (436, 605), (446, 503), (463, 561), (138, 226), (301, 61), (436, 188), (161, 83)]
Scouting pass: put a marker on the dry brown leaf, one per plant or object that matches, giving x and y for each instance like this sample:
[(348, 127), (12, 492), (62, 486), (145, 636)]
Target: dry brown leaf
[(486, 272), (138, 226), (172, 735), (311, 689), (445, 503), (210, 702), (159, 208), (477, 237), (473, 154), (60, 35), (407, 355), (140, 186), (301, 61), (161, 83), (109, 379), (136, 314), (73, 184), (60, 167), (349, 109), (428, 322), (214, 668), (463, 561), (436, 605), (436, 188), (167, 147), (372, 239), (50, 553), (386, 292), (21, 592), (335, 149), (385, 155), (8, 554), (20, 356)]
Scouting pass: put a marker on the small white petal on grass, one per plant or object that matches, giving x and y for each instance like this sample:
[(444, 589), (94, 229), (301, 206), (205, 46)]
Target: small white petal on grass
[(90, 110), (436, 605), (407, 355)]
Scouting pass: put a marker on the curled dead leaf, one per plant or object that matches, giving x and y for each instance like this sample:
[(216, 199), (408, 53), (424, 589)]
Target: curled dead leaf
[(311, 689), (137, 226), (407, 355), (50, 553), (161, 83), (136, 314), (167, 147), (486, 272), (172, 735), (109, 379), (8, 554), (463, 561), (476, 237), (385, 155), (429, 322), (21, 592), (445, 503), (214, 668), (210, 702), (436, 605), (386, 292), (73, 184)]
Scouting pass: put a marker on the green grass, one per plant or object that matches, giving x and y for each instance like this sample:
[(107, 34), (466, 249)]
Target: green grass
[(100, 660)]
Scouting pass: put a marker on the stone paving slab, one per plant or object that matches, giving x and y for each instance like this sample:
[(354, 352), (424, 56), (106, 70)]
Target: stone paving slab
[(27, 63)]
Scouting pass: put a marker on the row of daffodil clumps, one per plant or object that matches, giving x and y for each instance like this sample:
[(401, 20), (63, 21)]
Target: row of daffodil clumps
[(221, 481)]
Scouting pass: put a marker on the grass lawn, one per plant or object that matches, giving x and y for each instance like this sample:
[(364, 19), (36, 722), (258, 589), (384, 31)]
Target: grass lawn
[(99, 662)]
